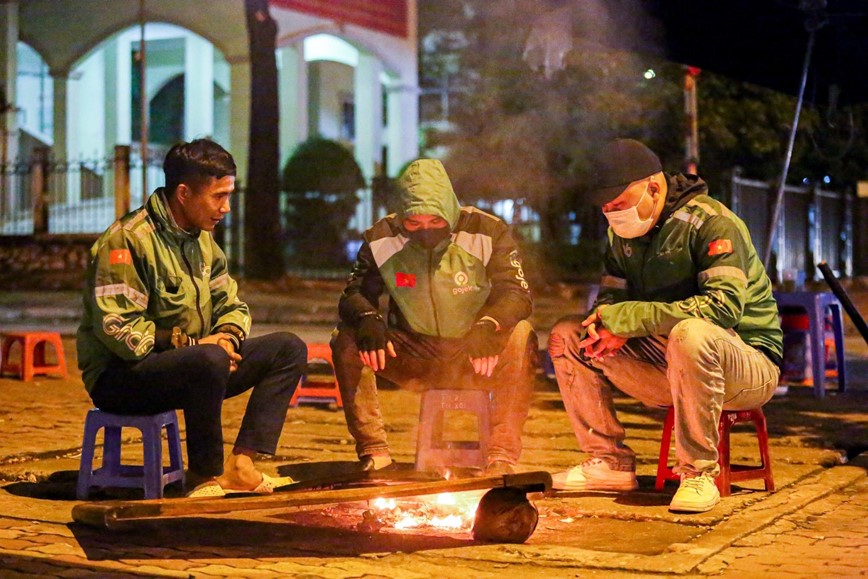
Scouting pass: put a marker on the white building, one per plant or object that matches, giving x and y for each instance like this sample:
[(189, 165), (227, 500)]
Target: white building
[(347, 71)]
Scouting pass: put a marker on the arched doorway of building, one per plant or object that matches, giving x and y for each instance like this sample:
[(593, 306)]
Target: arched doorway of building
[(182, 73)]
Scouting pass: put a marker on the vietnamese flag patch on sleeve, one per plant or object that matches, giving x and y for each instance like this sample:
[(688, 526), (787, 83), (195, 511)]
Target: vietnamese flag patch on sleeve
[(122, 256), (405, 279), (720, 247)]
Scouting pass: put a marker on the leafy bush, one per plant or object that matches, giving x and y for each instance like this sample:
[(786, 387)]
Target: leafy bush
[(320, 181)]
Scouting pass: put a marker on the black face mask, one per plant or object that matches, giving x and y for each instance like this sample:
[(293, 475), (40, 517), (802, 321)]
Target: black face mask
[(429, 238)]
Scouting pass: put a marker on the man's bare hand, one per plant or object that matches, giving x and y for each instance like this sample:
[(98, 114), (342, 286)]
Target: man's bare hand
[(599, 342), (484, 366), (376, 359), (606, 344), (592, 323), (222, 339)]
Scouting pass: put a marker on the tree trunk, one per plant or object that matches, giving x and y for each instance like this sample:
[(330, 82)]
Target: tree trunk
[(263, 255)]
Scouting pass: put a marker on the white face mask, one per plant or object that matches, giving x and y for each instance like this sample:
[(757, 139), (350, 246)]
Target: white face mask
[(627, 223)]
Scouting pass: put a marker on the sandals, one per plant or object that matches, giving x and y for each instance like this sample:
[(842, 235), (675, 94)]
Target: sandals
[(212, 489), (266, 487), (208, 489)]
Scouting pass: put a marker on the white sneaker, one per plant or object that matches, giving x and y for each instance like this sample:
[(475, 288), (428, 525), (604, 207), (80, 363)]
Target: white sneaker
[(595, 474), (696, 494)]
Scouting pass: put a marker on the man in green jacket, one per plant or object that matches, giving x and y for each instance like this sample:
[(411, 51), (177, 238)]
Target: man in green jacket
[(164, 328), (458, 303), (685, 317)]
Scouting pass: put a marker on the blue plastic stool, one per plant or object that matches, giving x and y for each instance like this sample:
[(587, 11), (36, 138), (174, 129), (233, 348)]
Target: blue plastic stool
[(151, 476), (815, 305)]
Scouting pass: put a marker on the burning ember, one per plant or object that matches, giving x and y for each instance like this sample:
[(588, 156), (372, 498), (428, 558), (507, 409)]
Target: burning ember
[(448, 511)]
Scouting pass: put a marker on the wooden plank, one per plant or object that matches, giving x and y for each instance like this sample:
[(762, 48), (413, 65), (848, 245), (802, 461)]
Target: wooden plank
[(105, 514)]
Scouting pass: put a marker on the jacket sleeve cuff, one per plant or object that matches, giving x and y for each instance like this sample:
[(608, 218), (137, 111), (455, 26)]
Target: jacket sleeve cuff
[(236, 334)]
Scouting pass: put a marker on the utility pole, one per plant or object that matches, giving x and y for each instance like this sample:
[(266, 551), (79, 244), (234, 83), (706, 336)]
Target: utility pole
[(143, 99), (691, 115)]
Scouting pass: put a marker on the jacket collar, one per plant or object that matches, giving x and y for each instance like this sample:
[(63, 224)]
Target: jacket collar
[(158, 208), (682, 188)]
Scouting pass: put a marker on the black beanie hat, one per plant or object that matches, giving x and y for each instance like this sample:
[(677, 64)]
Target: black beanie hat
[(617, 165)]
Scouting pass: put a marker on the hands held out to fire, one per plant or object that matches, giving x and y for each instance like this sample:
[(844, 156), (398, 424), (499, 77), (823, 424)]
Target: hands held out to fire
[(599, 342), (483, 344), (372, 342)]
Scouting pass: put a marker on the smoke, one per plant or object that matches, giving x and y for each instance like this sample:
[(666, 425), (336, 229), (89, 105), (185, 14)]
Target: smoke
[(543, 83)]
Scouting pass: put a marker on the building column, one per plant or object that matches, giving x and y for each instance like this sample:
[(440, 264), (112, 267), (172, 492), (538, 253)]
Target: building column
[(198, 88), (368, 101), (293, 90), (239, 106), (8, 79), (118, 87), (402, 138), (64, 192)]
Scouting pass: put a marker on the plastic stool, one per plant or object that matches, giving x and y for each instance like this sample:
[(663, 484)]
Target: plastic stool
[(432, 452), (32, 360), (815, 305), (728, 473), (151, 476), (317, 388)]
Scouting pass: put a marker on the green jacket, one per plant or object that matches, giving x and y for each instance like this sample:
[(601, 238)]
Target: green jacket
[(440, 292), (146, 276), (697, 262)]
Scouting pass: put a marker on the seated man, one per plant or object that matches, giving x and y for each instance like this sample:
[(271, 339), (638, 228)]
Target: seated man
[(457, 304), (163, 326), (685, 318)]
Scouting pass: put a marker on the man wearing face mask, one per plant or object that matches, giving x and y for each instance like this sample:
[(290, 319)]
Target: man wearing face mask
[(458, 303), (685, 317)]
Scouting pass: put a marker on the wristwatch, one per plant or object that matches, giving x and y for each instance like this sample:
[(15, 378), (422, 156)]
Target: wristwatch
[(179, 338)]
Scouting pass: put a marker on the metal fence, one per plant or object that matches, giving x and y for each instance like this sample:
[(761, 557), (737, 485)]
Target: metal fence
[(54, 196), (43, 195), (814, 225)]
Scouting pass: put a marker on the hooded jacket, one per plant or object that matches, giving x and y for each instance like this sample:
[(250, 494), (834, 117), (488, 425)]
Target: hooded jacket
[(145, 277), (443, 291), (698, 261)]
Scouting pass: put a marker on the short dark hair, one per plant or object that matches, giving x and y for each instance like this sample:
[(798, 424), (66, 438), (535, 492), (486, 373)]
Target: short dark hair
[(195, 162)]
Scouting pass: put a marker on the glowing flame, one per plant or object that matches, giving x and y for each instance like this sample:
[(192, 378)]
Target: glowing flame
[(452, 511)]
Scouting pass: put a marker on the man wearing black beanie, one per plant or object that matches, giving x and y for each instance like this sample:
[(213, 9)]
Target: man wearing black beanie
[(685, 317)]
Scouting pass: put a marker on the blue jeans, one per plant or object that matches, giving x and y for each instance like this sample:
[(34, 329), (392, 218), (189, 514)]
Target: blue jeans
[(437, 363), (700, 369), (196, 380)]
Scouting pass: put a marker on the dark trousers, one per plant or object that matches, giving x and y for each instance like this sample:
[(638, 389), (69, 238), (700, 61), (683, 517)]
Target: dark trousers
[(196, 380), (437, 363)]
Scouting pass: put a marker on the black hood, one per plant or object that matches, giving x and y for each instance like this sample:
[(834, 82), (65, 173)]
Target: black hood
[(682, 188)]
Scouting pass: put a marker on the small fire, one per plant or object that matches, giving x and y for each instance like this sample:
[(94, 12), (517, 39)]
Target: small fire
[(450, 511)]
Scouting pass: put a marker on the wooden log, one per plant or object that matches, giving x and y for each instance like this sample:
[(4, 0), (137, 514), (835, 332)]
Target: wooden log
[(106, 514)]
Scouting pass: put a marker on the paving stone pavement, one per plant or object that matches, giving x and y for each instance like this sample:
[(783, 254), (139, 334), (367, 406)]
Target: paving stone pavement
[(814, 525)]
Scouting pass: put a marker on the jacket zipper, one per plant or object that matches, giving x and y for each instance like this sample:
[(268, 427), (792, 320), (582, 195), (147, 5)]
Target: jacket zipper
[(431, 290), (195, 285)]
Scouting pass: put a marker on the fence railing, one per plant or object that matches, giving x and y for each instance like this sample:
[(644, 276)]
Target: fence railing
[(45, 195), (814, 225)]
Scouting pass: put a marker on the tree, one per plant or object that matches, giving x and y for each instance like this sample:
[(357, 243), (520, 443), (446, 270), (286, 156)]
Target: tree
[(262, 227), (321, 180)]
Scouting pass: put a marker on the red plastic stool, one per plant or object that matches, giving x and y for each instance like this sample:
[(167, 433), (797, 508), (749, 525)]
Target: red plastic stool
[(728, 473), (32, 360), (317, 388)]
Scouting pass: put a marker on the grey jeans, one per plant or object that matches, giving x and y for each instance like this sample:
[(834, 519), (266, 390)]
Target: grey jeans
[(700, 369), (437, 363)]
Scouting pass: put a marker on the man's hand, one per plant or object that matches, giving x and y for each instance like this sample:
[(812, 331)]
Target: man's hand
[(599, 342), (484, 345), (606, 344), (372, 343), (223, 340)]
